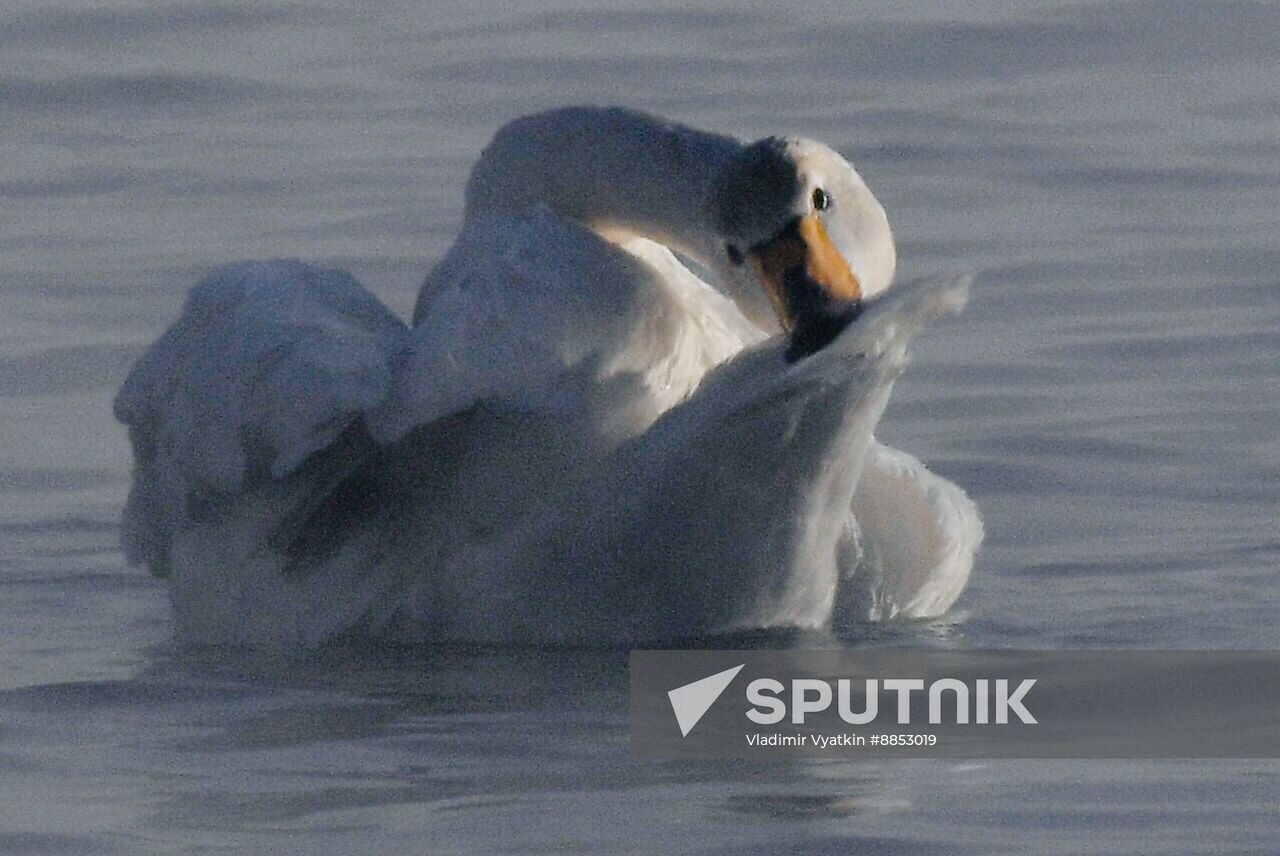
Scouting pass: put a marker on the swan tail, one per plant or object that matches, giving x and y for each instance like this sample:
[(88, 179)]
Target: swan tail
[(916, 537)]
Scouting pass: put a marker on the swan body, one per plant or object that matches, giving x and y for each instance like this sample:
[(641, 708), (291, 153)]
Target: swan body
[(578, 440)]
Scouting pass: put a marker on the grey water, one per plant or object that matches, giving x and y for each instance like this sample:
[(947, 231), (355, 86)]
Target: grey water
[(1111, 398)]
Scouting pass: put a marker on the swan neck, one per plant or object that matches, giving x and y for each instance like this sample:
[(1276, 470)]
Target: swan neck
[(619, 172)]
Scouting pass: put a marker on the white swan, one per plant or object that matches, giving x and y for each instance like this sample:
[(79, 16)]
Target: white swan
[(578, 440)]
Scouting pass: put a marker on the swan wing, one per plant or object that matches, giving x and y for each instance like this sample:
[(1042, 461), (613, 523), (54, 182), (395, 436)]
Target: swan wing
[(916, 536), (269, 363), (731, 512)]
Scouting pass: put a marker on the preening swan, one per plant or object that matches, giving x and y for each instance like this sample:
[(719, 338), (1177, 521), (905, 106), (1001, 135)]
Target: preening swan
[(578, 439)]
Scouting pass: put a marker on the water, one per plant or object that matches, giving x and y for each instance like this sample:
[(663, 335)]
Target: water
[(1110, 399)]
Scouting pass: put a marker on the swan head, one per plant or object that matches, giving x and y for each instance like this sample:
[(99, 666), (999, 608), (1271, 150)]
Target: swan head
[(801, 230)]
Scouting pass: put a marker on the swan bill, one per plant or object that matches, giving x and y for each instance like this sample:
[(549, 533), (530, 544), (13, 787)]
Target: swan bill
[(809, 284)]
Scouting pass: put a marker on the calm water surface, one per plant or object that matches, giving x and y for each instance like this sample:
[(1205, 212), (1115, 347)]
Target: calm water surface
[(1111, 399)]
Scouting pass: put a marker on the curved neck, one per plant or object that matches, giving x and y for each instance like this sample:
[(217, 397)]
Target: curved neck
[(615, 170)]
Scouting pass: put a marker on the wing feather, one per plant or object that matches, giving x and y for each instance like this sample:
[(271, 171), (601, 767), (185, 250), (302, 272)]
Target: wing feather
[(269, 363)]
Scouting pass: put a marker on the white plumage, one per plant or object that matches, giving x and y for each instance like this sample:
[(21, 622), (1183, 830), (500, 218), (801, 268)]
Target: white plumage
[(578, 440)]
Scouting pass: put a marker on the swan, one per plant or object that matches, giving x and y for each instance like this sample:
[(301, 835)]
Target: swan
[(578, 439)]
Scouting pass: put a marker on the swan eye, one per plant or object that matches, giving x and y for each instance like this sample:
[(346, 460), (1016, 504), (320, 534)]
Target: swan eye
[(821, 201), (734, 254)]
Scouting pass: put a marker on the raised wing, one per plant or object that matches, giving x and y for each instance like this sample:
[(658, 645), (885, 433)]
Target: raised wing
[(269, 363), (733, 510)]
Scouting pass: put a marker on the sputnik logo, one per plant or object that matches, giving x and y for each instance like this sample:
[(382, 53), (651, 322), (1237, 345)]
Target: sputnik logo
[(693, 700)]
